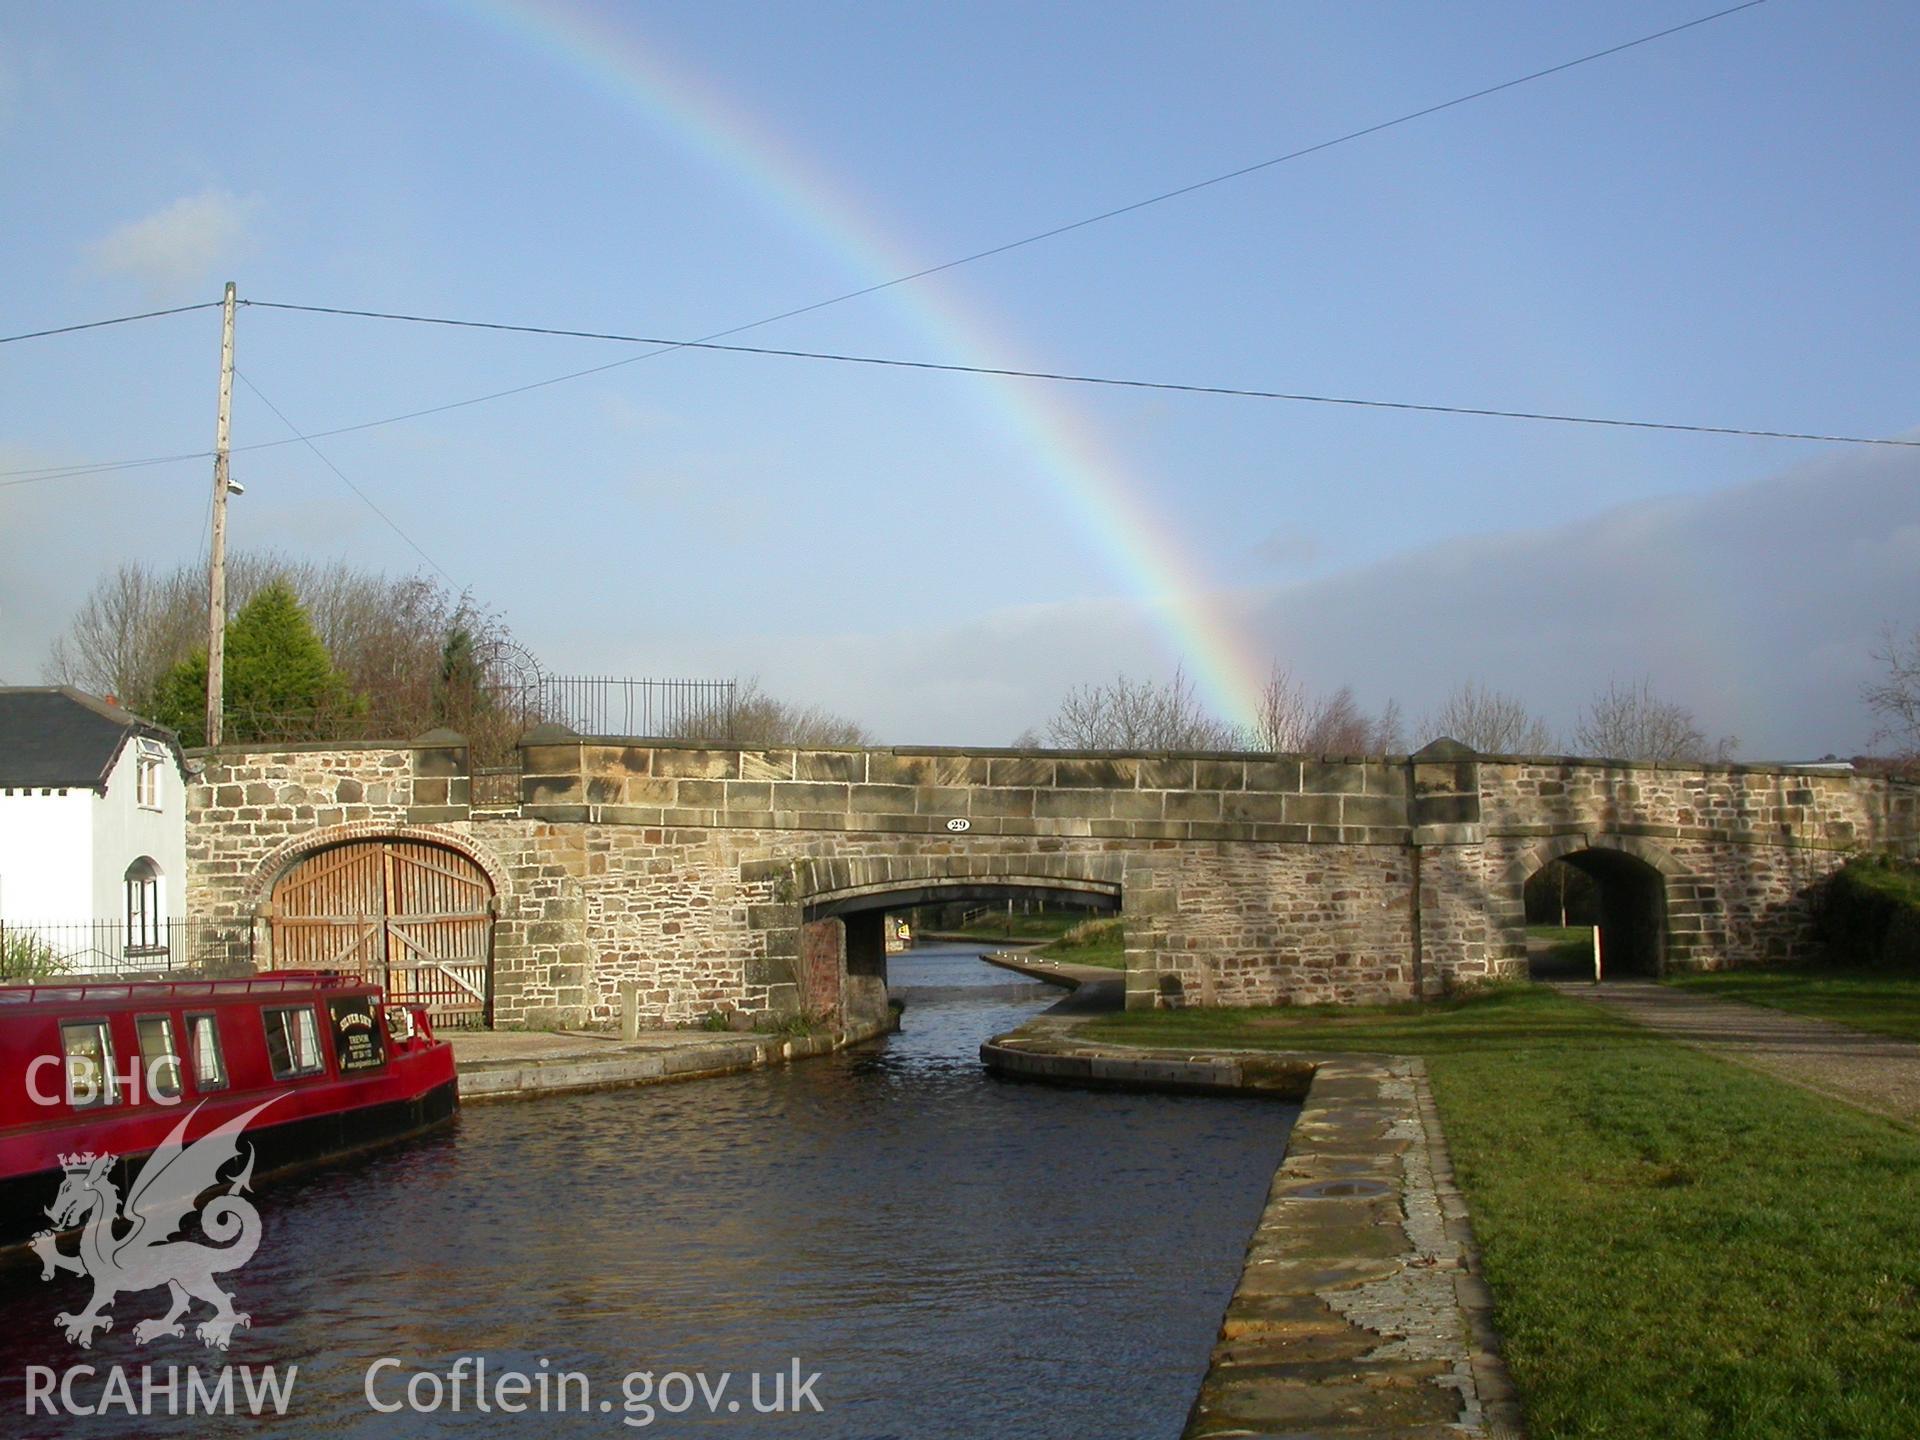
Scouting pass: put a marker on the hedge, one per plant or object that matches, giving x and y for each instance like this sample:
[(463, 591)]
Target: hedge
[(1872, 914)]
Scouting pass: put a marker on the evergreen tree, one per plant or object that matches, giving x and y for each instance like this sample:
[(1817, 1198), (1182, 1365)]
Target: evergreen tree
[(460, 689), (280, 682)]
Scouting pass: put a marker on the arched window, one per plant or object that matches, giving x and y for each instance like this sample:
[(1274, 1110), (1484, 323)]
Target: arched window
[(146, 926)]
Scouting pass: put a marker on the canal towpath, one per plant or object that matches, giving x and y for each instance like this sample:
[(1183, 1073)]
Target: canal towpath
[(510, 1064), (1093, 988)]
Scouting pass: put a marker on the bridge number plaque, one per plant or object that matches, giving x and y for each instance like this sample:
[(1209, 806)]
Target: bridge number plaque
[(959, 824)]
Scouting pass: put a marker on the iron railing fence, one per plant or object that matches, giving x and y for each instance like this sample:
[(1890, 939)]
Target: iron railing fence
[(611, 705), (505, 709), (495, 787), (50, 951)]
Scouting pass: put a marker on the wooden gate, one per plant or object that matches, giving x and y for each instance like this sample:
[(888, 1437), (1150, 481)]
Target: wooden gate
[(418, 918)]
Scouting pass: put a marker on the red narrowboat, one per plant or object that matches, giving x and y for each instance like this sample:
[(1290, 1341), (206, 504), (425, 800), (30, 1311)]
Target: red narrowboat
[(111, 1067)]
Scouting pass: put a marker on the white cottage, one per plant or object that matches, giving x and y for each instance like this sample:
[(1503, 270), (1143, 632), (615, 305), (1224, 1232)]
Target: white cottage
[(93, 829)]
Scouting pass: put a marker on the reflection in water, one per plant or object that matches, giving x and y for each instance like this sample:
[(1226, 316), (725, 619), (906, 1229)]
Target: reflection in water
[(957, 1256)]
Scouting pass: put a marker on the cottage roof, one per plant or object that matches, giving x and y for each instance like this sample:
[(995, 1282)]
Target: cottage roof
[(53, 737)]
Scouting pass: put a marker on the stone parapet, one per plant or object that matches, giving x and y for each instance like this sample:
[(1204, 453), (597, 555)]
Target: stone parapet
[(1233, 798), (688, 872)]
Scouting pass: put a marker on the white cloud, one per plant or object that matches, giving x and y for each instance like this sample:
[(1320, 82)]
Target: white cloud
[(179, 246)]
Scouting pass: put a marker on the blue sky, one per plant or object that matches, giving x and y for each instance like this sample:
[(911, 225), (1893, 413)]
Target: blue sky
[(1717, 228)]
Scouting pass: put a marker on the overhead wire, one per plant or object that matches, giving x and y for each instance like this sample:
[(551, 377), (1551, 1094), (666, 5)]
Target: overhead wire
[(102, 324), (1072, 378), (16, 477), (366, 499)]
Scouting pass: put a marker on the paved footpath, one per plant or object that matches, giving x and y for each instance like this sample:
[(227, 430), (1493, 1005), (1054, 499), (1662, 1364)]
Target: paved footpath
[(1874, 1072)]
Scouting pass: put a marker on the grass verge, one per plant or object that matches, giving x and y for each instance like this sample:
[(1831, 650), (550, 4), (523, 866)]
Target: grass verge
[(1865, 999), (1017, 927), (1092, 942), (1677, 1247)]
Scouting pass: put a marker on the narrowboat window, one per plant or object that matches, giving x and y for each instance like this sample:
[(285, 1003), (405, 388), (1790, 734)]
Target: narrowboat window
[(159, 1059), (293, 1042), (209, 1066), (89, 1052), (400, 1023)]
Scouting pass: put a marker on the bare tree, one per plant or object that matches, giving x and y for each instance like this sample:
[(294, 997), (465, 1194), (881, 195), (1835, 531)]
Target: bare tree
[(1894, 698), (1340, 727), (1389, 734), (753, 717), (1137, 715), (134, 626), (1489, 721), (1285, 716), (1291, 721), (1628, 722)]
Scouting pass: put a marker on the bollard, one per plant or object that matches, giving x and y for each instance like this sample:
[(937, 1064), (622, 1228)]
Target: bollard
[(629, 1010)]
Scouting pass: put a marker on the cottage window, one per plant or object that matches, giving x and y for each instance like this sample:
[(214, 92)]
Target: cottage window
[(146, 933), (146, 779)]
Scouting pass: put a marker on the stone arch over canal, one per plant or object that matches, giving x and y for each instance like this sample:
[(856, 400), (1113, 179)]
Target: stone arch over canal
[(685, 875), (840, 905)]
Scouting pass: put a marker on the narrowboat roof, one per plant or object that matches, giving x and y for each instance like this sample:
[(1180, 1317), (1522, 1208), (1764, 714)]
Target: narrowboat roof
[(169, 992)]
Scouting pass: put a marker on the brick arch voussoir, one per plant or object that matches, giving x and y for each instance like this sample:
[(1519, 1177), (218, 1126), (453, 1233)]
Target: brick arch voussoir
[(289, 853), (818, 879), (1536, 858)]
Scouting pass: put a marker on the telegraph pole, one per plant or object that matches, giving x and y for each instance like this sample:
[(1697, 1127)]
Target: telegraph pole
[(217, 566)]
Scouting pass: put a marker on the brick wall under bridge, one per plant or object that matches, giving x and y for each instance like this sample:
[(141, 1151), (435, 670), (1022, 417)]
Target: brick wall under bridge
[(735, 879)]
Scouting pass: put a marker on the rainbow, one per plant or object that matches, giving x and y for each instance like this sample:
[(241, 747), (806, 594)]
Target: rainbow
[(1135, 542)]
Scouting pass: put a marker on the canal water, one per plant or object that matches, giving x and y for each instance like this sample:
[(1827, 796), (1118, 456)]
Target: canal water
[(952, 1255)]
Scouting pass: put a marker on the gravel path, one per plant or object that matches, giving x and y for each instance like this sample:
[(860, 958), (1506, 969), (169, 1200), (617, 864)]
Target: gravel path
[(1874, 1072)]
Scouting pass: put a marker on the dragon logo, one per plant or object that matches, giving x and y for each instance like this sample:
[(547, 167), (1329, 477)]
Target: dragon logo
[(129, 1245)]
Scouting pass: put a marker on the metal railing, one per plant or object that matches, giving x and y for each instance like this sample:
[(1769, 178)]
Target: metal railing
[(610, 705), (45, 951), (585, 704), (495, 787)]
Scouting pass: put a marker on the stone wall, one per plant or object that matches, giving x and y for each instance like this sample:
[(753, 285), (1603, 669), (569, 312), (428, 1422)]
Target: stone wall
[(244, 805), (1741, 850), (696, 874)]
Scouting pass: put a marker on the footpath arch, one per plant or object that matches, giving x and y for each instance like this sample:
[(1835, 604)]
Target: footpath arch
[(1633, 876)]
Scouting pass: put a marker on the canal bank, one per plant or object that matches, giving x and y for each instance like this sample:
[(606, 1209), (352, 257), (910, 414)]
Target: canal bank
[(1361, 1309), (521, 1064)]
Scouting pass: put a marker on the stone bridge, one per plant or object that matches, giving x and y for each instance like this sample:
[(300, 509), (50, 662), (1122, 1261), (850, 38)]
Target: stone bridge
[(703, 879)]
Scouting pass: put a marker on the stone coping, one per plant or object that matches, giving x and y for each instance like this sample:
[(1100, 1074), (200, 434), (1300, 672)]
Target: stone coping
[(1360, 1309), (536, 1063), (290, 747), (1721, 767), (1063, 973), (1053, 1057)]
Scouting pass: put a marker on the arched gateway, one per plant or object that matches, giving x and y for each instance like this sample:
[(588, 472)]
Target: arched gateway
[(414, 915)]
